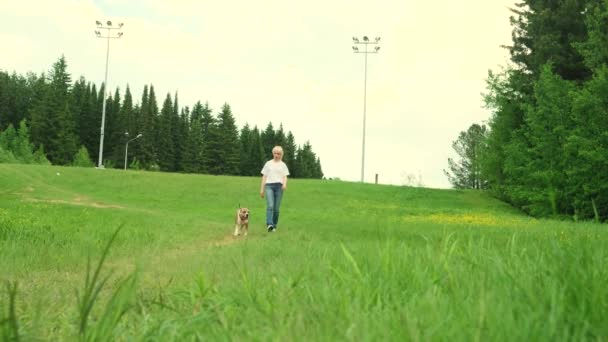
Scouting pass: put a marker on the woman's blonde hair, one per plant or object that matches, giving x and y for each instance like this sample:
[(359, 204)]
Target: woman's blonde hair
[(277, 149)]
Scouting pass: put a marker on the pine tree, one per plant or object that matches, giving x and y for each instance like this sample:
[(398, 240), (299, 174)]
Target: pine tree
[(245, 151), (88, 123), (279, 137), (147, 154), (179, 129), (212, 148), (268, 140), (586, 150), (465, 173), (549, 126), (52, 118), (548, 31), (229, 142), (318, 171), (289, 151), (257, 157), (82, 158), (39, 113), (306, 162), (115, 132), (193, 151), (5, 114), (23, 148), (164, 140), (8, 139)]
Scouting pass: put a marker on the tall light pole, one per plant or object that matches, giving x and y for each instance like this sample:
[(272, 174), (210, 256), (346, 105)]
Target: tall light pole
[(365, 41), (108, 36), (127, 146)]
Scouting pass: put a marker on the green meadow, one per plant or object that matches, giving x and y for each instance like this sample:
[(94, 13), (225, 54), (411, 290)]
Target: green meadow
[(90, 254)]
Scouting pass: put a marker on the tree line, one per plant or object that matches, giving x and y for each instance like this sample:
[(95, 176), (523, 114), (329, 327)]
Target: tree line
[(62, 119), (545, 149)]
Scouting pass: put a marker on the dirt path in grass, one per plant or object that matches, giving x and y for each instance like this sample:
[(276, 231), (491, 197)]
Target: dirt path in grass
[(156, 267), (26, 195)]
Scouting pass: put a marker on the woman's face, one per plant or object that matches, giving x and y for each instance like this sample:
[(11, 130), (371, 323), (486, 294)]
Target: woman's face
[(277, 155)]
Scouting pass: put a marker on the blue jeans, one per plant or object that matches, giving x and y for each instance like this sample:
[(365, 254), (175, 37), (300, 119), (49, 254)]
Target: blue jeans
[(274, 194)]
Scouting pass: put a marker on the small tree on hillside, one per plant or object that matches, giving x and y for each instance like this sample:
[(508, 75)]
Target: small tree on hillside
[(82, 158), (465, 173)]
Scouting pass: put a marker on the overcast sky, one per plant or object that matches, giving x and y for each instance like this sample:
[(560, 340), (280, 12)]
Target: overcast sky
[(290, 62)]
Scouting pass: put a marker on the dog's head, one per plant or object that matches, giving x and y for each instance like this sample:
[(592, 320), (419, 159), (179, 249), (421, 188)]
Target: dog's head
[(243, 214)]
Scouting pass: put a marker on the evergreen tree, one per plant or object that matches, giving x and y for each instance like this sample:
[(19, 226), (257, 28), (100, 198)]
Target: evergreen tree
[(465, 173), (594, 50), (279, 137), (548, 31), (65, 141), (147, 154), (193, 151), (318, 170), (115, 131), (268, 140), (245, 151), (5, 113), (207, 119), (164, 141), (52, 121), (197, 112), (289, 151), (228, 135), (306, 163), (88, 122), (212, 148), (549, 126), (40, 120), (257, 157), (82, 158), (9, 139), (23, 148), (586, 150), (15, 98), (127, 123), (179, 130)]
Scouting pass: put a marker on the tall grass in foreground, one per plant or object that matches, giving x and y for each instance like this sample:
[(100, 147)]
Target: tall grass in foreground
[(349, 262)]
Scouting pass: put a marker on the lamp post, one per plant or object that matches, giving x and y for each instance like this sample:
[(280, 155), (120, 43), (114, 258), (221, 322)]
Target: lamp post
[(108, 36), (127, 146), (365, 41)]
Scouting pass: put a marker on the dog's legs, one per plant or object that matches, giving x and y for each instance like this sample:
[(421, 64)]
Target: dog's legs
[(236, 230), (246, 229)]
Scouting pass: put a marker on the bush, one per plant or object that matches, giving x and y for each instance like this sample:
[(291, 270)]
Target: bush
[(40, 156), (7, 156), (82, 159), (135, 165)]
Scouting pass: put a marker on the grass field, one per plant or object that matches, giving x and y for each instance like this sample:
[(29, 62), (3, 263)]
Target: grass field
[(349, 261)]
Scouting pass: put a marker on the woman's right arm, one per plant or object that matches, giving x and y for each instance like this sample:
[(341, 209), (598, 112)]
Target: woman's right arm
[(262, 186)]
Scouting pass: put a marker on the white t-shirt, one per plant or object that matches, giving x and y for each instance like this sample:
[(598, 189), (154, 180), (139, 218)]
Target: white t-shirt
[(275, 171)]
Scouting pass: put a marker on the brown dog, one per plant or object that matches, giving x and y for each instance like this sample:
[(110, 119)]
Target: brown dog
[(242, 222)]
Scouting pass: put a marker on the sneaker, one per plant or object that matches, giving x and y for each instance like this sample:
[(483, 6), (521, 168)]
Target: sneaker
[(270, 228)]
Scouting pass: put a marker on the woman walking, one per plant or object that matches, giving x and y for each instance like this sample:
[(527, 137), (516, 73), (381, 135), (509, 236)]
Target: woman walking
[(274, 182)]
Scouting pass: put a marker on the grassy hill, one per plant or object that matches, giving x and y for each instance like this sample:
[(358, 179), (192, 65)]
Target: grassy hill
[(349, 261)]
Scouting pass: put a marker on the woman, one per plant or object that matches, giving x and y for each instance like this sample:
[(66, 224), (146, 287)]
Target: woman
[(274, 182)]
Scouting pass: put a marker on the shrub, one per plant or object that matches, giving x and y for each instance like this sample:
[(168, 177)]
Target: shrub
[(82, 159)]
